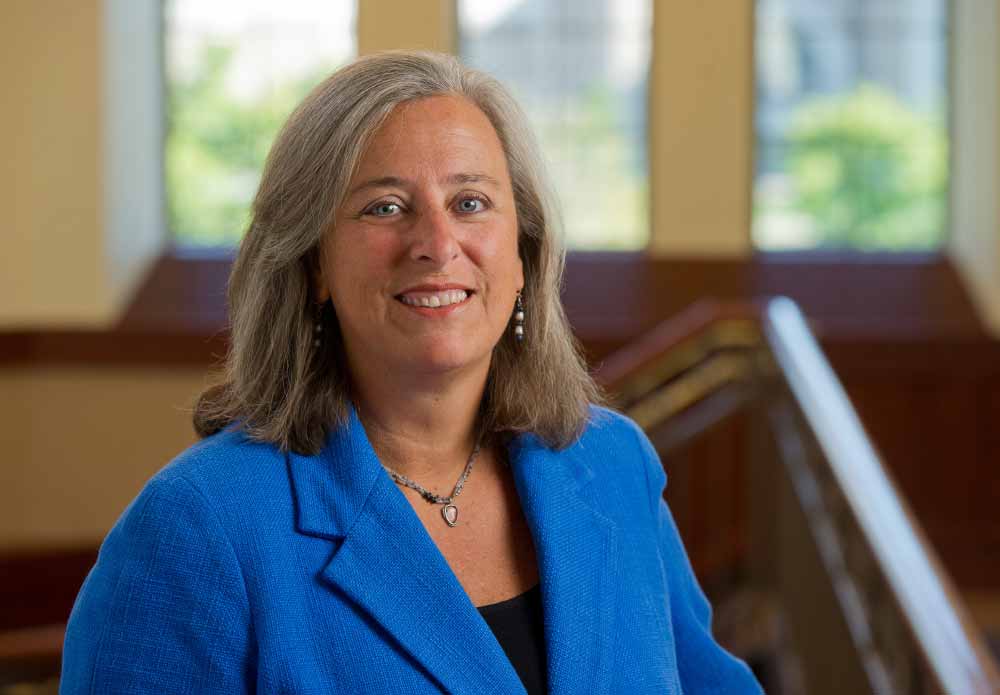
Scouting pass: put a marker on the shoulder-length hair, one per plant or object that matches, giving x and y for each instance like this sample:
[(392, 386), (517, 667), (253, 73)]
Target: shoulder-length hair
[(280, 388)]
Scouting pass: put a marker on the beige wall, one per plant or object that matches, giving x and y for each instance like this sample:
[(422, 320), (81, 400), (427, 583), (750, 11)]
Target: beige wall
[(50, 183), (81, 174), (406, 24), (701, 137)]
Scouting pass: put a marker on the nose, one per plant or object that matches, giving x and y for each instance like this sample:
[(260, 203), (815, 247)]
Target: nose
[(434, 238)]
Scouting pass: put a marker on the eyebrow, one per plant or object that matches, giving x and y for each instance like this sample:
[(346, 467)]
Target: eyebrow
[(460, 178), (472, 178)]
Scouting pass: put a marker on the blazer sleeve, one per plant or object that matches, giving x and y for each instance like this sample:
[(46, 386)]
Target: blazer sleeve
[(165, 608), (704, 666)]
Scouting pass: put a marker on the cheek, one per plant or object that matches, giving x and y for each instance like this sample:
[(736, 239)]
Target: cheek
[(359, 261), (496, 251), (507, 265)]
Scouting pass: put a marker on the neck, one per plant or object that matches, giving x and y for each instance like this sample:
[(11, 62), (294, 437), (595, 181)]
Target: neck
[(420, 426)]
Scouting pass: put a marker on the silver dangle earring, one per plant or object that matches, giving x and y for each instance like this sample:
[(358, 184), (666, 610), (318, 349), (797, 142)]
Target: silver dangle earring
[(318, 326), (519, 319)]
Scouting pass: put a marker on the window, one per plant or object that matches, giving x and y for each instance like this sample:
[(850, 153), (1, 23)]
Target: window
[(579, 68), (851, 124), (234, 71)]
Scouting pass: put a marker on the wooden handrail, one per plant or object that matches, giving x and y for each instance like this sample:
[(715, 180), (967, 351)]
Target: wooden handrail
[(925, 594), (644, 362), (843, 488)]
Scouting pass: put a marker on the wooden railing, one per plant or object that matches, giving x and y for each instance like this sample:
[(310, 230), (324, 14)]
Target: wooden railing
[(867, 606)]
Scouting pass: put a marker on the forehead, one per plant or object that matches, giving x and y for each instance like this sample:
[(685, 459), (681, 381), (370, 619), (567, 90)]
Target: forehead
[(440, 132)]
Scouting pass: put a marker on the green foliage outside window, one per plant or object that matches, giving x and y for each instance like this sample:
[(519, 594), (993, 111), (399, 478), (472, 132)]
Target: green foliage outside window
[(869, 172), (216, 146)]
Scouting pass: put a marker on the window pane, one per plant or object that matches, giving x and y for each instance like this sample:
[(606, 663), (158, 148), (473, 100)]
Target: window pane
[(234, 70), (578, 67), (851, 124)]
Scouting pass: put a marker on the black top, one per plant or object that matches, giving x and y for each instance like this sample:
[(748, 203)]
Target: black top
[(517, 624)]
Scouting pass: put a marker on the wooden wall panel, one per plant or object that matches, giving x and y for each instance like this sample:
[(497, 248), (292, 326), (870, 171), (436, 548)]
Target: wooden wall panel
[(39, 587), (705, 492)]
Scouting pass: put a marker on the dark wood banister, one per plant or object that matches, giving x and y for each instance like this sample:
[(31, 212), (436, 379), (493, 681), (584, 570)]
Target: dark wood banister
[(936, 615), (619, 370), (950, 647)]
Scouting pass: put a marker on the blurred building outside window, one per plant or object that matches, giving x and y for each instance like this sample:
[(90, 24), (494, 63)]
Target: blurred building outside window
[(852, 133), (234, 72), (579, 69)]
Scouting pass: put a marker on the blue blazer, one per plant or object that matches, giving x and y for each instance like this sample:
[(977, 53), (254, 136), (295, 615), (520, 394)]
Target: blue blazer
[(241, 569)]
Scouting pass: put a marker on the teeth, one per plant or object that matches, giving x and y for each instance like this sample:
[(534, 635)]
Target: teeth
[(435, 299)]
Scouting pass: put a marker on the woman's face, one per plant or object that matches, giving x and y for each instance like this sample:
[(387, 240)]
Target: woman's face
[(422, 264)]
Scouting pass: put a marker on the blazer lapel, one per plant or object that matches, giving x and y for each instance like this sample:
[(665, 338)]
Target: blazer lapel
[(577, 551), (389, 566)]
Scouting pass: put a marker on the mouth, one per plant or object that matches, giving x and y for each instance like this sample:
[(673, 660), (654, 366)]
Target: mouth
[(436, 300)]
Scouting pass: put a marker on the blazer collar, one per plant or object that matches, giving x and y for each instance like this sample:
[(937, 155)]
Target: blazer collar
[(390, 567)]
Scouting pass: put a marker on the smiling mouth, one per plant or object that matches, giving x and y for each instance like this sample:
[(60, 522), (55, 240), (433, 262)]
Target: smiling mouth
[(434, 300)]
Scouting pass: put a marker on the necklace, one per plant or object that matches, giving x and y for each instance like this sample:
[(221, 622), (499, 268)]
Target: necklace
[(449, 511)]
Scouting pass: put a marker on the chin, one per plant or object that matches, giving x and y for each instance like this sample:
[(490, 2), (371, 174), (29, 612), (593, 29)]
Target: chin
[(445, 358)]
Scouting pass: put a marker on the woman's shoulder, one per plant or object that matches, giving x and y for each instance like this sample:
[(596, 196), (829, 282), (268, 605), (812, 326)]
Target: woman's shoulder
[(604, 431), (221, 459), (228, 473), (609, 428), (614, 464), (174, 560), (626, 450), (202, 502)]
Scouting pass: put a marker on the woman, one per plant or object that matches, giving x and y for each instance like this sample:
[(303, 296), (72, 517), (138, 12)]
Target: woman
[(404, 485)]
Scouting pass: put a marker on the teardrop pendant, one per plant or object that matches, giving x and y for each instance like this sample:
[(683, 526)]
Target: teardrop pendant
[(450, 514)]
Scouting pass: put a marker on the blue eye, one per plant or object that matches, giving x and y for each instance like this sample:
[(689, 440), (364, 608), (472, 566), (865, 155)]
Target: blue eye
[(385, 209), (471, 205)]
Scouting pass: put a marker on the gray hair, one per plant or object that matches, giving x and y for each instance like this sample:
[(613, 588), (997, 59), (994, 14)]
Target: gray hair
[(274, 383)]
